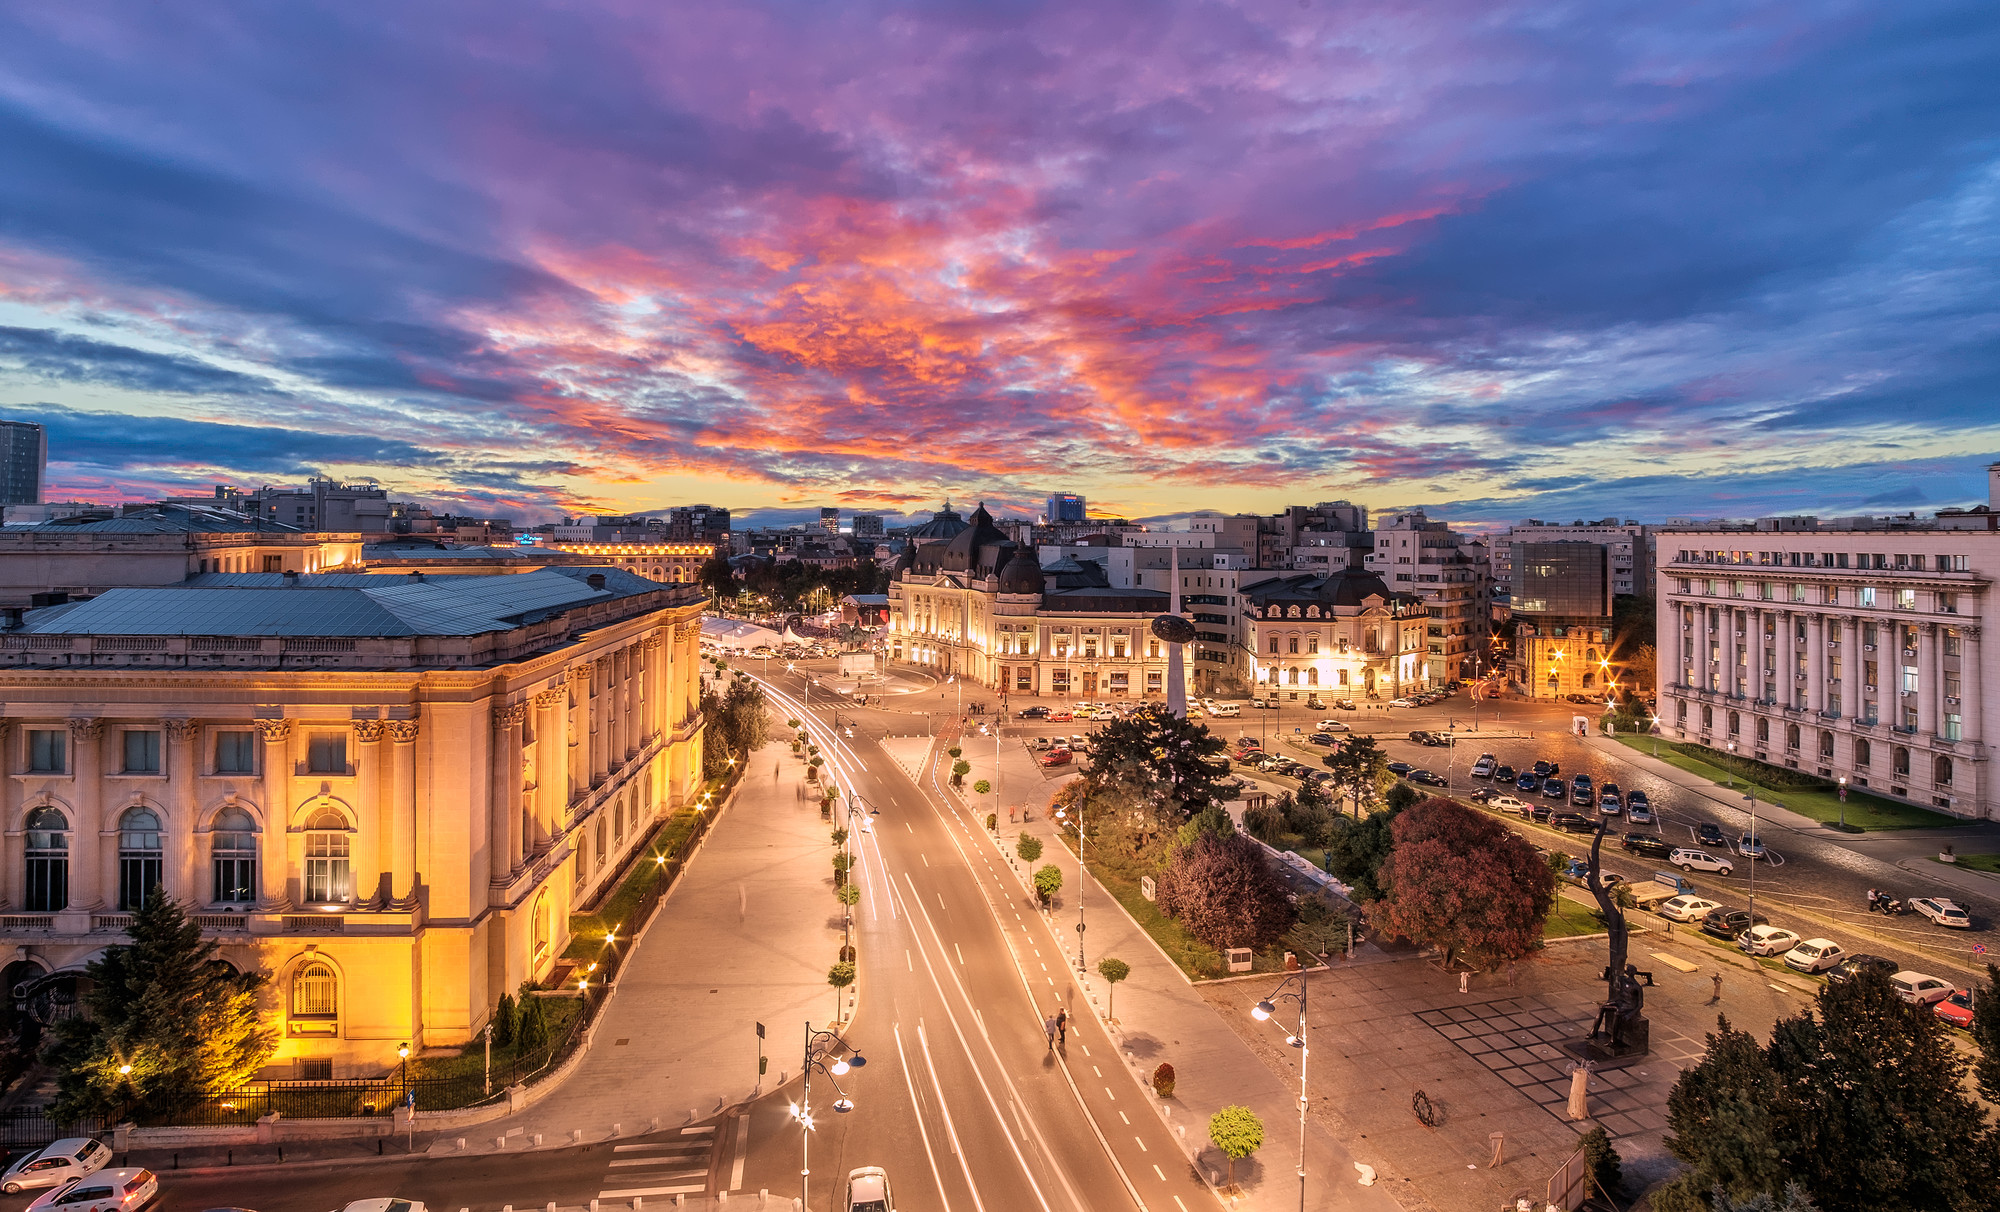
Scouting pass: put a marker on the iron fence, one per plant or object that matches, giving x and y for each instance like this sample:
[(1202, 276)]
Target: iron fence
[(32, 1127)]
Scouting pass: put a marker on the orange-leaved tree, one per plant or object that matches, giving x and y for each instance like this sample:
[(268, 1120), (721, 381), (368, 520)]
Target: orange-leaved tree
[(1462, 882)]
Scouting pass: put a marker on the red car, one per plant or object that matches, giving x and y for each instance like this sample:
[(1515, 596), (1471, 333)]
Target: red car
[(1056, 757), (1956, 1009)]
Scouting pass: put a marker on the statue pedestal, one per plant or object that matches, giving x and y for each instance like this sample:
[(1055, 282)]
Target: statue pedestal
[(1601, 1052)]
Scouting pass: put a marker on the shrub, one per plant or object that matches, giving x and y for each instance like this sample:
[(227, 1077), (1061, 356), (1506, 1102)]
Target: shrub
[(955, 751), (506, 1020), (982, 787), (1163, 1080), (1402, 795), (1029, 847), (1602, 1157), (533, 1031), (959, 770), (992, 821)]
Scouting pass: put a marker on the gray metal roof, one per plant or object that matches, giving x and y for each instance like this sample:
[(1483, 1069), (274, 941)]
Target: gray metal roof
[(160, 519), (341, 604)]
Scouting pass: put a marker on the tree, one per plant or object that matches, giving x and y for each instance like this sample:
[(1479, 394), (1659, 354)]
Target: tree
[(1460, 881), (534, 1029), (719, 578), (506, 1020), (1029, 847), (1048, 882), (1113, 971), (185, 1023), (1236, 1131), (840, 976), (959, 769), (1360, 770), (1606, 1167), (1986, 1031), (1356, 850), (1154, 758), (982, 787), (1402, 796), (1223, 892)]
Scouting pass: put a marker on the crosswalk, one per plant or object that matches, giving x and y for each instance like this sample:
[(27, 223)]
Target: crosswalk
[(668, 1164)]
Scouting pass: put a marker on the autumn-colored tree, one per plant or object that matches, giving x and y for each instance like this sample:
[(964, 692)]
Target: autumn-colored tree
[(1460, 881), (1223, 892), (1156, 760)]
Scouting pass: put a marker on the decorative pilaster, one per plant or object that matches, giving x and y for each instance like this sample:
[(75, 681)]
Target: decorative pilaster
[(402, 736), (505, 798), (1971, 688), (1816, 662), (551, 764), (182, 862), (273, 857), (371, 865), (1928, 679)]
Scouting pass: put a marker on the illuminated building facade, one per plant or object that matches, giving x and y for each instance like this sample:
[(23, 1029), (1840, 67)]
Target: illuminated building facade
[(1338, 635), (668, 562), (389, 792), (1562, 620)]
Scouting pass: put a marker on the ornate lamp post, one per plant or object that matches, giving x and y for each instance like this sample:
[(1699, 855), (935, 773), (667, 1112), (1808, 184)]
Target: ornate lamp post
[(823, 1049), (1262, 1012)]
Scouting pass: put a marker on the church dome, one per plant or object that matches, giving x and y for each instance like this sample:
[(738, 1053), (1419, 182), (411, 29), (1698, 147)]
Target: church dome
[(1022, 573), (944, 524)]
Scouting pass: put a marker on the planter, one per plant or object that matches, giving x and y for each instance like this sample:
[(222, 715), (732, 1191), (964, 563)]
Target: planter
[(1947, 856)]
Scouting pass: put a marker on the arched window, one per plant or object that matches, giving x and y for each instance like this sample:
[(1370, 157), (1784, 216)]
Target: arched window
[(315, 999), (1941, 772), (47, 874), (1707, 717), (1864, 753), (1826, 744), (603, 826), (542, 927), (329, 878), (1791, 736), (139, 857), (1735, 723), (233, 845), (1763, 732), (1312, 677)]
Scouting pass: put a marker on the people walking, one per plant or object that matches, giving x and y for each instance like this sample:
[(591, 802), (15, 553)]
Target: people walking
[(1873, 899), (1062, 1027), (1049, 1029), (1717, 995)]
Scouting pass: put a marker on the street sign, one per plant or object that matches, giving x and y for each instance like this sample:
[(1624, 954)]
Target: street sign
[(760, 1031), (1979, 948)]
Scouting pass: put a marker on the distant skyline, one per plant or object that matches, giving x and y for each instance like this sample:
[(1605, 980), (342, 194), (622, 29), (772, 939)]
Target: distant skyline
[(1504, 261)]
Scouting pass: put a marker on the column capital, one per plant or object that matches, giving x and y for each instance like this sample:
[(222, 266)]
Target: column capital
[(1927, 627), (1970, 631), (652, 640), (581, 673), (549, 700), (510, 715), (181, 730), (86, 729), (368, 732), (275, 731), (402, 732)]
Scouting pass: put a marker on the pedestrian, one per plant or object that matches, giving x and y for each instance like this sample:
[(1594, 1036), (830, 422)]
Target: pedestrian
[(1062, 1027), (1873, 897), (1717, 995), (1049, 1029)]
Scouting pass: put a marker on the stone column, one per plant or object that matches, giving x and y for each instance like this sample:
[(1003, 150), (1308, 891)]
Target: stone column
[(1816, 662), (372, 881), (551, 763), (582, 737), (402, 844), (1928, 678), (634, 664), (86, 738), (274, 864), (1852, 662), (653, 662), (183, 862), (1787, 658), (1971, 688), (506, 843)]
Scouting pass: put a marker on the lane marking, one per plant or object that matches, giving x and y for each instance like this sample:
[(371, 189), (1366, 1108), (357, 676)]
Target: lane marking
[(961, 954), (1142, 1144), (903, 1062), (628, 1194), (656, 1161), (910, 827), (679, 1146), (1121, 1115), (742, 1151), (925, 857), (1163, 1178), (1108, 1094), (907, 961), (1096, 1070), (704, 1130)]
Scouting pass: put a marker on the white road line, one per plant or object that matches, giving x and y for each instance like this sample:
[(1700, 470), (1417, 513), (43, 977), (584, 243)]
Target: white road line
[(1142, 1144), (1121, 1115), (676, 1146), (909, 1083), (925, 857), (1163, 1178), (1096, 1070), (628, 1194), (961, 955), (742, 1150), (1108, 1094), (1085, 1047), (907, 961), (910, 827), (654, 1161), (1177, 1199)]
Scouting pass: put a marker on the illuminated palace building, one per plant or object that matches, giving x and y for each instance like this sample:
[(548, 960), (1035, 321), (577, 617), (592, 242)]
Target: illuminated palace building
[(1337, 635), (388, 792), (671, 563), (1847, 653)]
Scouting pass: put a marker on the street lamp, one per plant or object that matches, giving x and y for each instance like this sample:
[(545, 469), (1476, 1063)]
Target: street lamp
[(823, 1049), (403, 1056), (1262, 1012), (1732, 772), (1061, 815), (1843, 803)]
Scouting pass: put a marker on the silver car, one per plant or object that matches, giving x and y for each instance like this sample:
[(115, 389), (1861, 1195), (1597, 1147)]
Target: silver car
[(71, 1157)]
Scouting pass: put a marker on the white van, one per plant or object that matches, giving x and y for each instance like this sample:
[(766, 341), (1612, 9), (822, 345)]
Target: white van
[(1225, 710)]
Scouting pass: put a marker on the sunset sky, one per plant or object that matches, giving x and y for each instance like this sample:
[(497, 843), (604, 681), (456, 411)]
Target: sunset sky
[(1559, 260)]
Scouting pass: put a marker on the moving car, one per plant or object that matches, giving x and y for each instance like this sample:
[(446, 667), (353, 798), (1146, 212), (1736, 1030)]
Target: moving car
[(70, 1157), (122, 1190), (1507, 803), (1032, 713), (1700, 860), (1858, 962), (1815, 955), (1709, 835), (868, 1191), (1767, 940), (1913, 987), (1956, 1008), (1685, 908), (1943, 912), (1225, 710), (1728, 923), (1057, 757), (1652, 845)]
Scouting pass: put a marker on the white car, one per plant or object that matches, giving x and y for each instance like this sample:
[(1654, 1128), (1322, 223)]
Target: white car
[(104, 1191), (1507, 803), (1104, 713), (868, 1191), (1333, 726), (1943, 912), (1686, 908), (1767, 940), (1700, 860), (1401, 703), (1918, 989), (71, 1157), (1815, 955)]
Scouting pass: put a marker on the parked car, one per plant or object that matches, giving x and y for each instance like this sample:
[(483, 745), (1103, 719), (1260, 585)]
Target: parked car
[(1652, 845), (1638, 809), (118, 1191), (1400, 768), (1572, 822), (868, 1191), (1539, 812), (1507, 803), (1700, 860), (1420, 736), (1582, 796), (1483, 768), (1345, 705), (1578, 872), (1428, 779), (1913, 987), (1333, 726), (1856, 963), (1767, 940), (1609, 795), (1041, 744), (52, 1164), (1036, 712), (1685, 908), (1555, 789), (1728, 923), (1323, 738), (1709, 835), (1543, 770), (1584, 784), (1527, 782), (1943, 912), (1955, 1008), (1057, 757), (1815, 955), (1505, 773), (1060, 715), (1481, 795), (1750, 846)]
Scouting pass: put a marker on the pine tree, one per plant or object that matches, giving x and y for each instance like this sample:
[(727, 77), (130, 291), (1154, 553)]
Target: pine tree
[(1724, 1119), (1986, 1030), (185, 1023), (532, 1031), (506, 1020), (1152, 758)]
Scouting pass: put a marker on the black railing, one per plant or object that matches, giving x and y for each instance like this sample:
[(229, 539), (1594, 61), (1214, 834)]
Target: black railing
[(33, 1127)]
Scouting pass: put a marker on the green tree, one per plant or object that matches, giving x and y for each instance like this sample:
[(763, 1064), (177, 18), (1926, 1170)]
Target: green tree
[(506, 1020), (1461, 881), (848, 894), (1113, 971), (959, 770), (840, 976), (533, 1031), (1402, 796), (1155, 760), (1606, 1167), (1356, 851), (718, 577), (1048, 882), (185, 1023), (1029, 847), (1986, 1031), (1236, 1131), (982, 787), (1361, 771)]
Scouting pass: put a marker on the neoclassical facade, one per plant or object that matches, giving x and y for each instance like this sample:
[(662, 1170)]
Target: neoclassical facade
[(1856, 654), (389, 792), (1337, 635)]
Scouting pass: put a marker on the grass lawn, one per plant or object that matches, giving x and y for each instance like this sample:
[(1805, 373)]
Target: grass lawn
[(1863, 811), (1980, 862), (1196, 958), (471, 1060), (1569, 919), (587, 930)]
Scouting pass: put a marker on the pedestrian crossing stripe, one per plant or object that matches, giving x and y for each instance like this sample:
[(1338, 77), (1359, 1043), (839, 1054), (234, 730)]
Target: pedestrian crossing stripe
[(676, 1165)]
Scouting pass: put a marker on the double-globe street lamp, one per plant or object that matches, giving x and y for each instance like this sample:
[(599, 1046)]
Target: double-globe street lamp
[(1262, 1012), (823, 1049)]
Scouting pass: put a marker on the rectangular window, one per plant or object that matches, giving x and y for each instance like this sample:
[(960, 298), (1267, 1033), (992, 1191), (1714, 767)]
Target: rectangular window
[(1951, 729), (235, 753), (1024, 678), (326, 753), (48, 750), (1947, 603), (1909, 679), (1059, 681), (1867, 595), (142, 751), (1906, 599)]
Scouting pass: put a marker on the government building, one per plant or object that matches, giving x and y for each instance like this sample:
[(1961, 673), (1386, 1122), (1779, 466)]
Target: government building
[(387, 791)]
